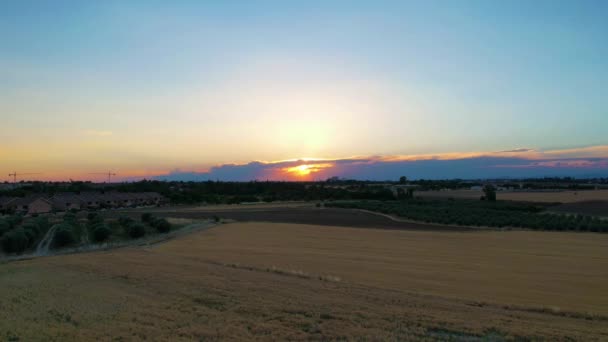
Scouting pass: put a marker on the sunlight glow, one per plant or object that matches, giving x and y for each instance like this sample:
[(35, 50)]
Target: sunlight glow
[(307, 169)]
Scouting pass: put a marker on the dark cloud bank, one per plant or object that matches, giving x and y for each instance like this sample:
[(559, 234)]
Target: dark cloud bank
[(377, 169)]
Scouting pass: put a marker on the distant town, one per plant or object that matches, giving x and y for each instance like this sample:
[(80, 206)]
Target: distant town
[(37, 197)]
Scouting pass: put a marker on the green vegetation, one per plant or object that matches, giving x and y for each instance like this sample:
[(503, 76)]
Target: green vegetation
[(480, 213), (162, 225), (489, 193), (136, 230), (15, 241), (64, 235), (17, 234), (146, 217), (101, 232), (125, 221)]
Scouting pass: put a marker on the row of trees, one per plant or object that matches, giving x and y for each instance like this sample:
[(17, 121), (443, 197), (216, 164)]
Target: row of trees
[(481, 213), (18, 235)]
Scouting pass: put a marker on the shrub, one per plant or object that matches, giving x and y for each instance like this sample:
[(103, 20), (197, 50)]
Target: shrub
[(136, 230), (15, 220), (162, 225), (101, 232), (125, 221), (146, 217), (43, 223), (69, 217), (216, 218), (92, 216), (64, 235), (4, 227), (15, 241), (32, 231)]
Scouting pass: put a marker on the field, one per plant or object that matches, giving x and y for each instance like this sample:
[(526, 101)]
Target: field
[(276, 281), (595, 208), (303, 215), (545, 196)]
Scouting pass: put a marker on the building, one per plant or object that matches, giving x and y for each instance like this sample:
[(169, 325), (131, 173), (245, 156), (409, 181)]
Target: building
[(5, 203), (33, 204), (37, 203), (66, 201)]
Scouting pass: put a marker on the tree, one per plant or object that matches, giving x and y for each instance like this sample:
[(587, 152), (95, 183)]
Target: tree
[(410, 193), (162, 225), (146, 217), (4, 227), (15, 241), (64, 235), (402, 180), (125, 221), (490, 192), (136, 230), (101, 232)]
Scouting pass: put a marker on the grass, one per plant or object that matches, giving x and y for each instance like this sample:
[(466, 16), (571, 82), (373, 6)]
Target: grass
[(243, 282)]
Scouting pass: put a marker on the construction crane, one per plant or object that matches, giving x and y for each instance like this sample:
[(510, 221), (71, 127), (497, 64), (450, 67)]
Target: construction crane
[(15, 174), (109, 174)]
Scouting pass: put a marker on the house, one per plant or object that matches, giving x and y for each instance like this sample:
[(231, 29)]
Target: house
[(91, 200), (66, 201), (33, 204), (37, 203), (5, 203)]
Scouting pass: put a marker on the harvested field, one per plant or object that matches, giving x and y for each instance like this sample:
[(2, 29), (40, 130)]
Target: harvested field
[(540, 196), (308, 215), (283, 281)]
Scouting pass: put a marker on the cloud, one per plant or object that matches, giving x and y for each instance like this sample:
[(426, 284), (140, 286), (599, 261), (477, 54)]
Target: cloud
[(95, 133), (517, 150), (592, 162)]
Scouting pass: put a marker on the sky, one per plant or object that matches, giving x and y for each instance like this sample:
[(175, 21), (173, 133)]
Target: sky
[(242, 90)]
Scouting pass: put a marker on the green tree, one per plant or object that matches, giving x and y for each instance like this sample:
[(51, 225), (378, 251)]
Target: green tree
[(162, 225), (15, 241), (64, 235), (402, 180), (490, 192), (146, 217), (136, 230), (101, 232)]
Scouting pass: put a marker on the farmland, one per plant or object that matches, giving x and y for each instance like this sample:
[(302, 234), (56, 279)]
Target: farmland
[(463, 212), (286, 281), (524, 196)]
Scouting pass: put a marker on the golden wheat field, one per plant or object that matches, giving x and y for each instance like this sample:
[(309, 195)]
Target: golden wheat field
[(271, 281)]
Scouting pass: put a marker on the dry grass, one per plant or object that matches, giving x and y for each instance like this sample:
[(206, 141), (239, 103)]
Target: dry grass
[(549, 197), (296, 282)]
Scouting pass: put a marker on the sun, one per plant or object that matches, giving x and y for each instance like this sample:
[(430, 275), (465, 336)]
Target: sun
[(306, 169), (301, 170)]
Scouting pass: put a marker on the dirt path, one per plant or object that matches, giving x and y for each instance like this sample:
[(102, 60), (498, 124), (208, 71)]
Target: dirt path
[(43, 247)]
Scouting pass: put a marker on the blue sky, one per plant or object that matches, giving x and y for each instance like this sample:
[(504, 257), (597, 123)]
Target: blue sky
[(150, 86)]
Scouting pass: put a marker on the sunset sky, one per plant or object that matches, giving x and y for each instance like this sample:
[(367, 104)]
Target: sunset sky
[(299, 90)]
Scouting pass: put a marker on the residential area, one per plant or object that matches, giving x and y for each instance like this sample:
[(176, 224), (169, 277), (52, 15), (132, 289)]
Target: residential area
[(41, 203)]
